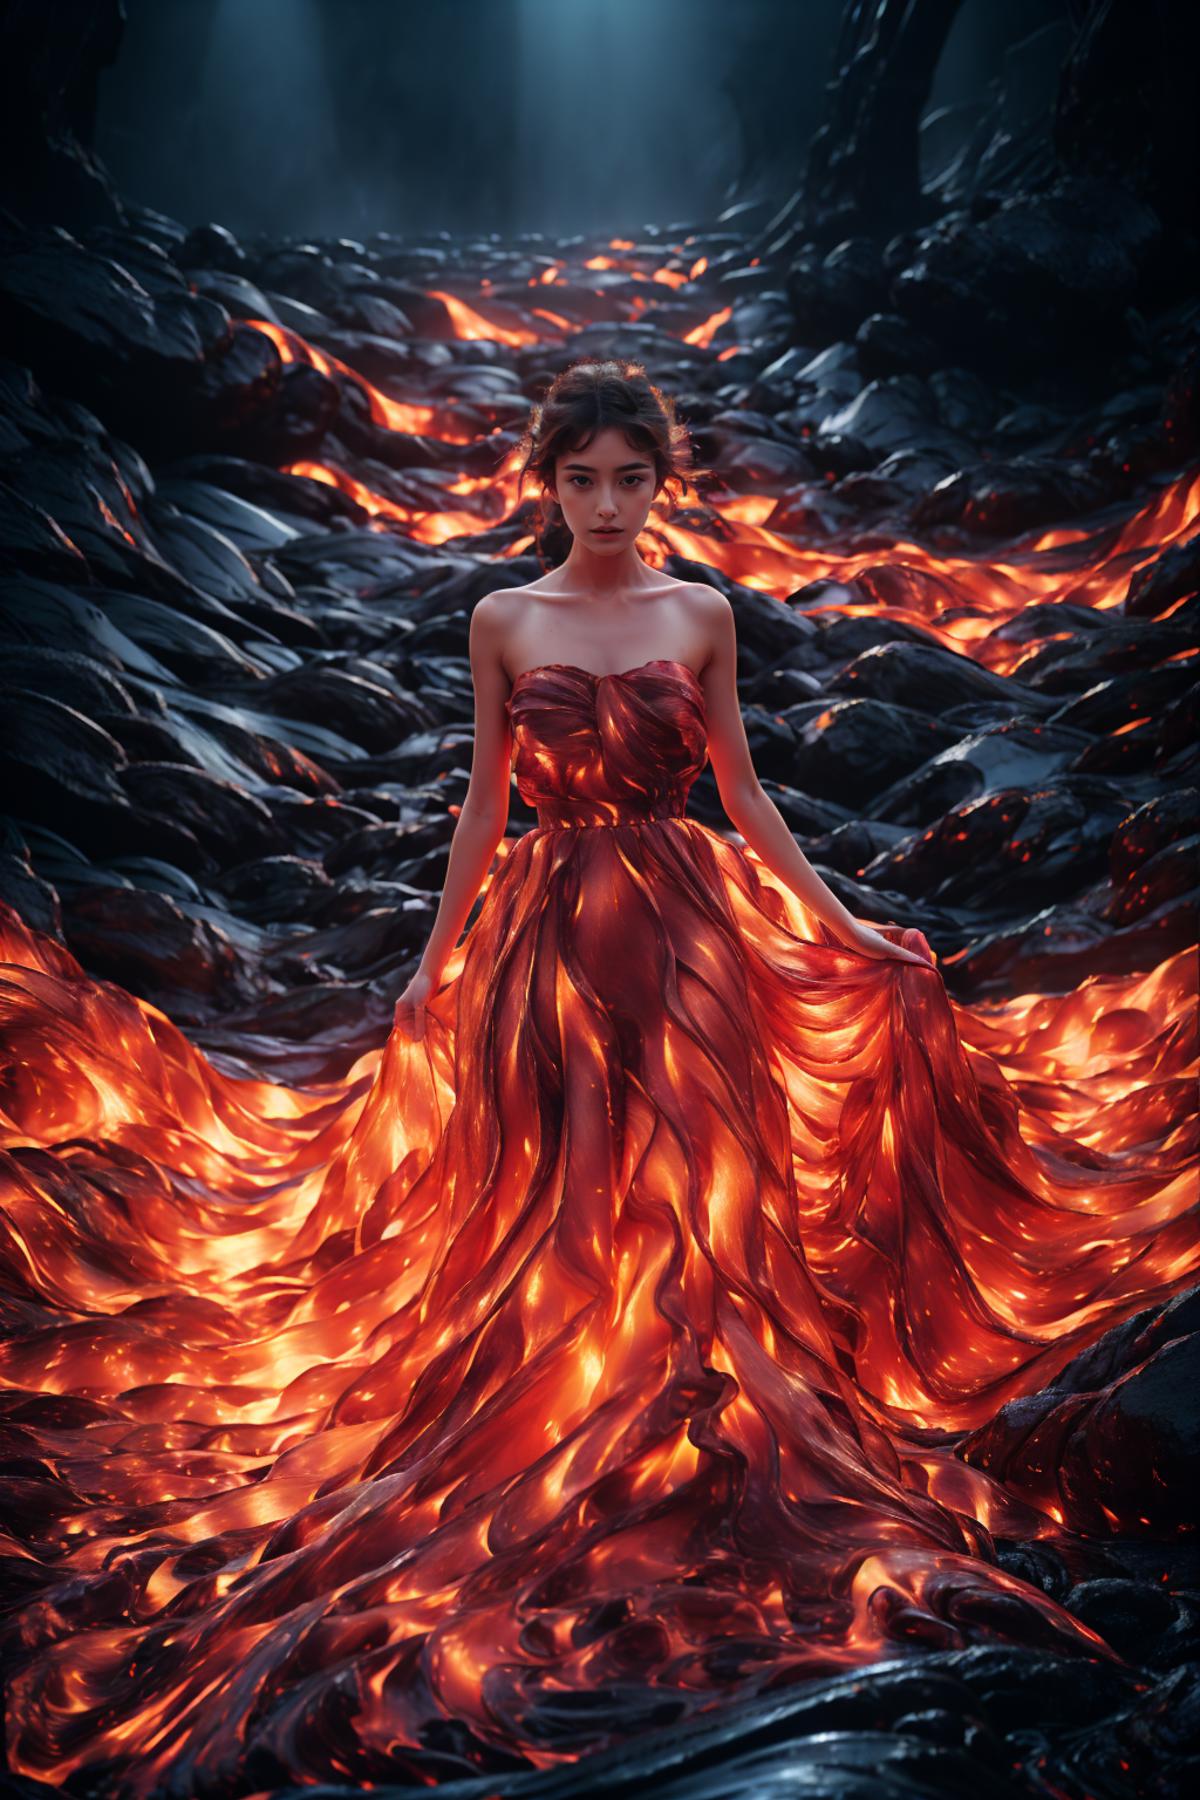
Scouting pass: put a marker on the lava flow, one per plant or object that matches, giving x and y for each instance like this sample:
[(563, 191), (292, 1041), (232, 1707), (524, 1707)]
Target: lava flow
[(322, 1390), (963, 600), (610, 1349)]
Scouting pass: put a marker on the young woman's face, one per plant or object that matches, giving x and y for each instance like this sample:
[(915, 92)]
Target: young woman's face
[(605, 491)]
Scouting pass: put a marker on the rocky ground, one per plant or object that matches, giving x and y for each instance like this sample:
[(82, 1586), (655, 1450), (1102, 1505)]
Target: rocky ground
[(249, 494)]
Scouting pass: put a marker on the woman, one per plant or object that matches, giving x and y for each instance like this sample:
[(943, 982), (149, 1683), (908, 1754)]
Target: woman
[(599, 1346), (605, 442)]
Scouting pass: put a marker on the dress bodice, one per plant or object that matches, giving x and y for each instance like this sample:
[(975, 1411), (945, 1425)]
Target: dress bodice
[(607, 749)]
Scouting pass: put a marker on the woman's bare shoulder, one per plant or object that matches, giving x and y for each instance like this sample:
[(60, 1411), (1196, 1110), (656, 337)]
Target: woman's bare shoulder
[(502, 607), (708, 603), (539, 583), (493, 609), (703, 590), (491, 617), (706, 594)]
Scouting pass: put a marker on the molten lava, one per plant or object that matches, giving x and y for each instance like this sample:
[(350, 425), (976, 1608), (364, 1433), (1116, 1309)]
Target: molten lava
[(614, 1338)]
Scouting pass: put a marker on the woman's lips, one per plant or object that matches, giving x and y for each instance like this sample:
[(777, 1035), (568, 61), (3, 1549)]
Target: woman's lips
[(606, 531)]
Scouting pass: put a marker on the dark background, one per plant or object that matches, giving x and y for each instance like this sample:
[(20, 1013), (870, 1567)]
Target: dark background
[(938, 323), (351, 116)]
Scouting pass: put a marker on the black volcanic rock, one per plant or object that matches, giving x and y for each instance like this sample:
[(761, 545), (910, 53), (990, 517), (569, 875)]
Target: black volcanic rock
[(851, 750), (1048, 274), (1171, 873), (76, 681), (891, 414), (283, 887), (1122, 699), (895, 485), (46, 745), (154, 946), (1029, 845), (210, 247), (1002, 499), (360, 948), (236, 395), (382, 849), (287, 498), (296, 417), (364, 712), (49, 73), (841, 637), (202, 554), (1132, 750), (759, 465), (186, 645), (888, 344), (1150, 828), (1059, 947), (229, 823), (852, 847), (931, 679), (1124, 104), (1178, 737), (966, 404), (830, 295), (1161, 584), (863, 165), (1071, 663), (32, 543), (767, 632), (1138, 1619), (240, 298), (33, 898), (804, 814), (1115, 1440), (1009, 753), (83, 323), (772, 744)]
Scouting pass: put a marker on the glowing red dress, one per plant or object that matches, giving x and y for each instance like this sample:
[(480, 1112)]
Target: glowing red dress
[(600, 1342)]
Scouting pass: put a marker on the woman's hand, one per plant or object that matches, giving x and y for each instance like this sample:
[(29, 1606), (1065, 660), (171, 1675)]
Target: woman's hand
[(409, 1015), (870, 942)]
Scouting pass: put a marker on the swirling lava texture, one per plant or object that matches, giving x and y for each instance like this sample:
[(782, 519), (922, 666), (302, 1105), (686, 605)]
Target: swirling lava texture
[(600, 1352)]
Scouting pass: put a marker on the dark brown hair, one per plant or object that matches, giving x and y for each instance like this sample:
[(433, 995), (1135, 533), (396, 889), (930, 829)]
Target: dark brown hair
[(585, 398)]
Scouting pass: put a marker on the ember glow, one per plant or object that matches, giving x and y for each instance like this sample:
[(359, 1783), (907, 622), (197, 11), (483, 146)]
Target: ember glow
[(321, 1380), (340, 1419), (963, 600)]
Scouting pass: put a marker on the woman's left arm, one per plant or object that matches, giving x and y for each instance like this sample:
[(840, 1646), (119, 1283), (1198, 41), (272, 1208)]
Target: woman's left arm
[(751, 808)]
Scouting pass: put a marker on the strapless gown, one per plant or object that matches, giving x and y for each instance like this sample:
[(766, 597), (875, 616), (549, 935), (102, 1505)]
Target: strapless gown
[(596, 1355)]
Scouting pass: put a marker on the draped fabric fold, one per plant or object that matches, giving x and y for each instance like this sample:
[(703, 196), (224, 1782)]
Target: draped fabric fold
[(612, 1338)]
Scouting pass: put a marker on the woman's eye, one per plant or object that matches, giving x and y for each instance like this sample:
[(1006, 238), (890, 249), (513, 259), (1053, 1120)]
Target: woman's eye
[(636, 479)]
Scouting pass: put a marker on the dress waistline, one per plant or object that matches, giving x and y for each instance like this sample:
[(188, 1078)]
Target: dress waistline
[(580, 815)]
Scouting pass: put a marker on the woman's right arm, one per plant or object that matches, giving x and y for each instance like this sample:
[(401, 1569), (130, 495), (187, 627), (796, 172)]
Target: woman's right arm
[(481, 822)]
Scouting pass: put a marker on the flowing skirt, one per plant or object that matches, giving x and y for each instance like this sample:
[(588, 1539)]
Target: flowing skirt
[(597, 1354)]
